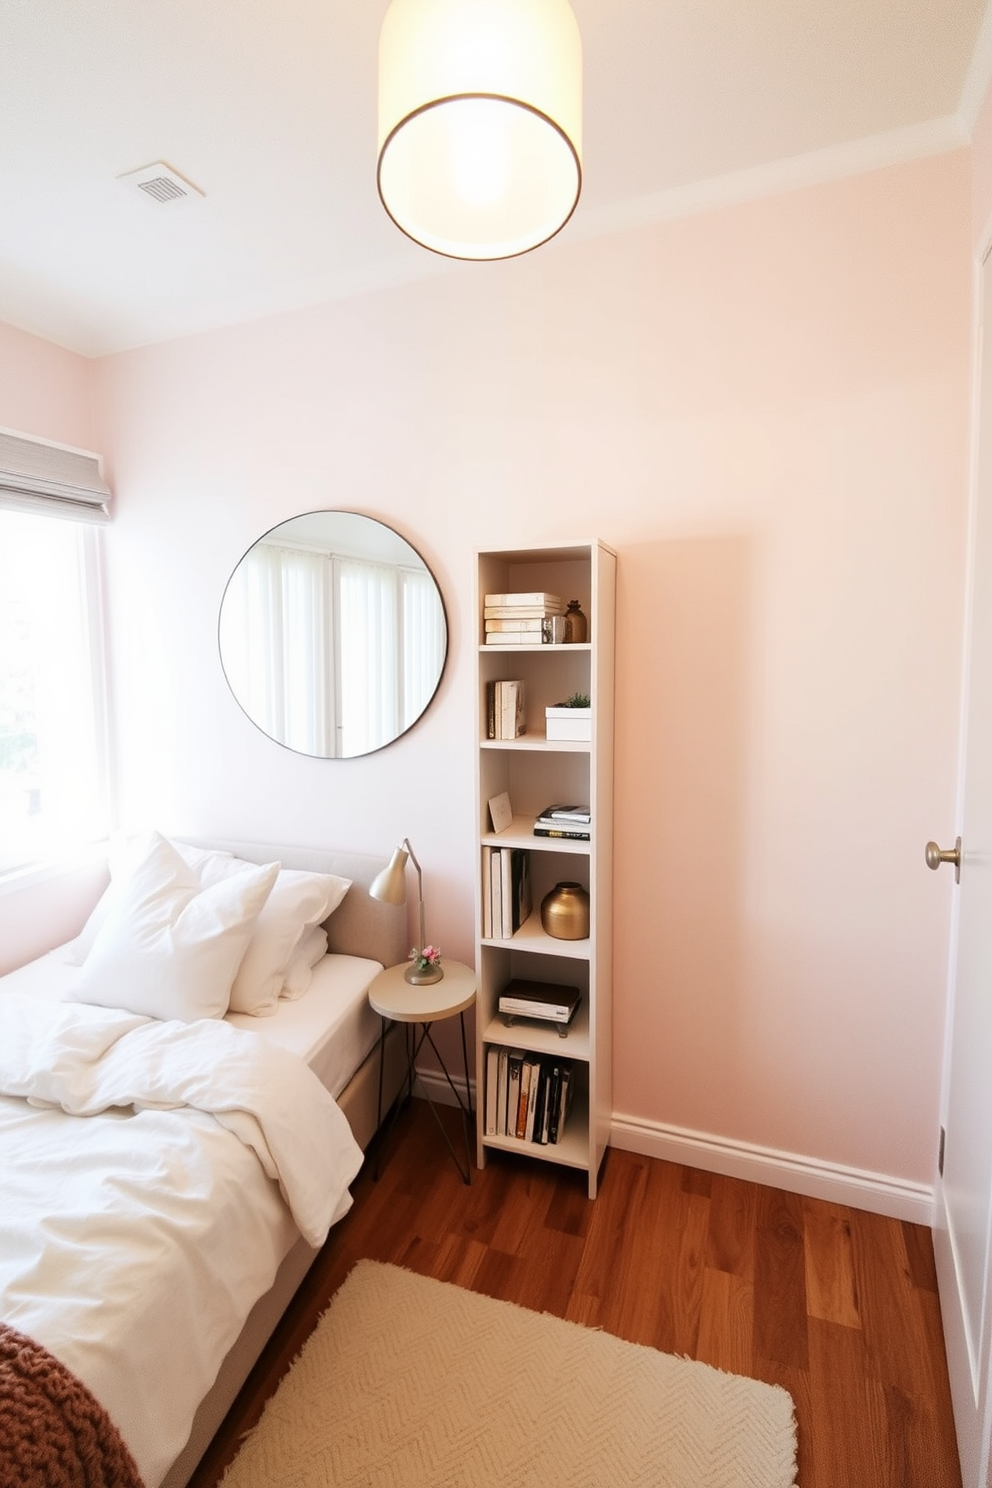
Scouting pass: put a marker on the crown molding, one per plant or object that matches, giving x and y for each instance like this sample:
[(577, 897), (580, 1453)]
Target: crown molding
[(897, 147)]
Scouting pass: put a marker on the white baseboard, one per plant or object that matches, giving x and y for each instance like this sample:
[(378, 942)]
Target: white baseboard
[(855, 1187), (431, 1082)]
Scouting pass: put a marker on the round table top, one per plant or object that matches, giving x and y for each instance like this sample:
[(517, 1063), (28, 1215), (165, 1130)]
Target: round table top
[(392, 996)]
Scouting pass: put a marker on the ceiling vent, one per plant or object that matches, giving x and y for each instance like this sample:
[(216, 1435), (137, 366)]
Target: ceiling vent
[(160, 183)]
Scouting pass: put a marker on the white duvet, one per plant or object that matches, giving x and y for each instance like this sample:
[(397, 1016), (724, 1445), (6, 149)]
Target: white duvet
[(153, 1175)]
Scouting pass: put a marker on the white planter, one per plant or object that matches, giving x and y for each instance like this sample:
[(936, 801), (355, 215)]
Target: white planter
[(569, 723)]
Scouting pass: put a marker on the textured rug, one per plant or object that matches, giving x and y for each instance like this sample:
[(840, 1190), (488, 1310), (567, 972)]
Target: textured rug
[(412, 1382)]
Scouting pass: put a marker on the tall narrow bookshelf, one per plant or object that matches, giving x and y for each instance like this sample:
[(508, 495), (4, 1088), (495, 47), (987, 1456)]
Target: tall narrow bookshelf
[(536, 772)]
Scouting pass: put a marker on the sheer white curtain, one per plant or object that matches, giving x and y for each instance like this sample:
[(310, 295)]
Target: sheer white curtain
[(276, 644), (54, 787), (391, 646), (368, 633), (424, 641)]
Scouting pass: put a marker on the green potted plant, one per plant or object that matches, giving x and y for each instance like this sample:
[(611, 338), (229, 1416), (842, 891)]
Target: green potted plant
[(571, 719)]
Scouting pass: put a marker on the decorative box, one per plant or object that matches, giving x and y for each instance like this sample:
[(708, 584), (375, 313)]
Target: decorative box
[(569, 723)]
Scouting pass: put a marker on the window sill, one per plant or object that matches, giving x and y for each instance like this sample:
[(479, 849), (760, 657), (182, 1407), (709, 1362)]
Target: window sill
[(30, 874)]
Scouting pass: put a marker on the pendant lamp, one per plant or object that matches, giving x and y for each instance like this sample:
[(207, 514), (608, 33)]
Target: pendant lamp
[(480, 123)]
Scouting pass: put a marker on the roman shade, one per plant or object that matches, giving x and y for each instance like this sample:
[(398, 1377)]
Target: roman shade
[(51, 478)]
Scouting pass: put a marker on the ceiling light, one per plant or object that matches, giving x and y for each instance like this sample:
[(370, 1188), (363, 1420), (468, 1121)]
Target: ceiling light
[(480, 123)]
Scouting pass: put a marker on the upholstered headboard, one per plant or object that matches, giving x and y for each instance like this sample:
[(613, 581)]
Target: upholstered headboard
[(361, 925)]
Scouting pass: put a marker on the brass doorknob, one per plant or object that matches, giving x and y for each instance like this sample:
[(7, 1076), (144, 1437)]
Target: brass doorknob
[(937, 855)]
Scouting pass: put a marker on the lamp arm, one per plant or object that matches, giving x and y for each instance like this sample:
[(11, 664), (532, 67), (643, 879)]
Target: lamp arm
[(420, 891)]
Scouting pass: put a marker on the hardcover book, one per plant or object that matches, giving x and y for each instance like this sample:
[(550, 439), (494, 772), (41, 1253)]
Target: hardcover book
[(492, 1089), (566, 814), (515, 890), (549, 630), (551, 602), (518, 612), (505, 709)]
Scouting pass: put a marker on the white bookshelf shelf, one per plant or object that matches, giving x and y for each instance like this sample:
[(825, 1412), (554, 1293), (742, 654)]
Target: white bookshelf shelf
[(535, 771), (520, 833), (543, 1038)]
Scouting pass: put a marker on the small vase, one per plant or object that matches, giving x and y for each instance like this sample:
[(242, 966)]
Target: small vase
[(576, 624), (565, 912)]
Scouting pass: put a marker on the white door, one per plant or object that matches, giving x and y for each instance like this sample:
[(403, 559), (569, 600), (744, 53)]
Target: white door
[(964, 1199)]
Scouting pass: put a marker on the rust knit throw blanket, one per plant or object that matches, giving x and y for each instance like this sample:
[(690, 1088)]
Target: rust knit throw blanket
[(53, 1433)]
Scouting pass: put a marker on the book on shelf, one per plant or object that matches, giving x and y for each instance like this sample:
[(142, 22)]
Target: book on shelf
[(548, 1001), (561, 1102), (566, 814), (532, 1095), (564, 821), (487, 892), (532, 599), (515, 890), (514, 1069), (502, 1081), (529, 1068), (492, 1088), (505, 709), (533, 1086), (507, 896), (518, 612), (549, 630), (518, 625), (496, 892)]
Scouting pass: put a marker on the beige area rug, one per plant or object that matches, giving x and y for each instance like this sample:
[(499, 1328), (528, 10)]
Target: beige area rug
[(412, 1382)]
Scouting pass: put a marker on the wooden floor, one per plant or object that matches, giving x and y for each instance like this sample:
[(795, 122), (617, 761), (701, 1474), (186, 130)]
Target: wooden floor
[(837, 1305)]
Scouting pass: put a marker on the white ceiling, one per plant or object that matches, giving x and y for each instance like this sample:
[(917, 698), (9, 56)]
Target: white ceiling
[(268, 106)]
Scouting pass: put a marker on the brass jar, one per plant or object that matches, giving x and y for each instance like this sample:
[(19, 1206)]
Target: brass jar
[(565, 912)]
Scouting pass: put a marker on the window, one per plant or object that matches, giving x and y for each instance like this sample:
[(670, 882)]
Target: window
[(54, 794)]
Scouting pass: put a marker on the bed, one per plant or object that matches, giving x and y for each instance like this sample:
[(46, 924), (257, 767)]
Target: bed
[(168, 1179)]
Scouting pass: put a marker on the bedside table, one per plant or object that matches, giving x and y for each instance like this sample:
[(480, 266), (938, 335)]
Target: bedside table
[(397, 1001)]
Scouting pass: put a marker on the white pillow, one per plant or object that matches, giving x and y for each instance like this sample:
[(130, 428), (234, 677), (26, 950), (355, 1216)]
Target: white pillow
[(169, 948), (311, 948), (125, 855), (297, 903)]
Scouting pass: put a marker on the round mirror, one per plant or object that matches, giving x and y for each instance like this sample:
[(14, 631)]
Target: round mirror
[(333, 635)]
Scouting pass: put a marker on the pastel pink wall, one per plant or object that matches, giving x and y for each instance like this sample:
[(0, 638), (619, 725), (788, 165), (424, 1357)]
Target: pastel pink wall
[(764, 410), (981, 177), (45, 391)]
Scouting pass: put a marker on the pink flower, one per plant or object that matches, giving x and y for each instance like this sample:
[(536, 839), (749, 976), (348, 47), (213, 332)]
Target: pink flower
[(429, 956)]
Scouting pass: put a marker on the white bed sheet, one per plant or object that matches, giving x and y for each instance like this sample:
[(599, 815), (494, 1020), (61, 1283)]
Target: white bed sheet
[(165, 1303), (331, 1027)]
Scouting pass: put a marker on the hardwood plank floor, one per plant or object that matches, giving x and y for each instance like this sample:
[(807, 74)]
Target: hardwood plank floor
[(837, 1305)]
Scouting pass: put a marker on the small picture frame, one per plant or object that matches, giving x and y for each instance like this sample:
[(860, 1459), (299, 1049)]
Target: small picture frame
[(501, 811)]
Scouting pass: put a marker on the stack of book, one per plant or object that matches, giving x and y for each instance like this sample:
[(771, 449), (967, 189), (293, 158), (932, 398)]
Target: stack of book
[(533, 619), (505, 709), (506, 891), (565, 821), (527, 1095)]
